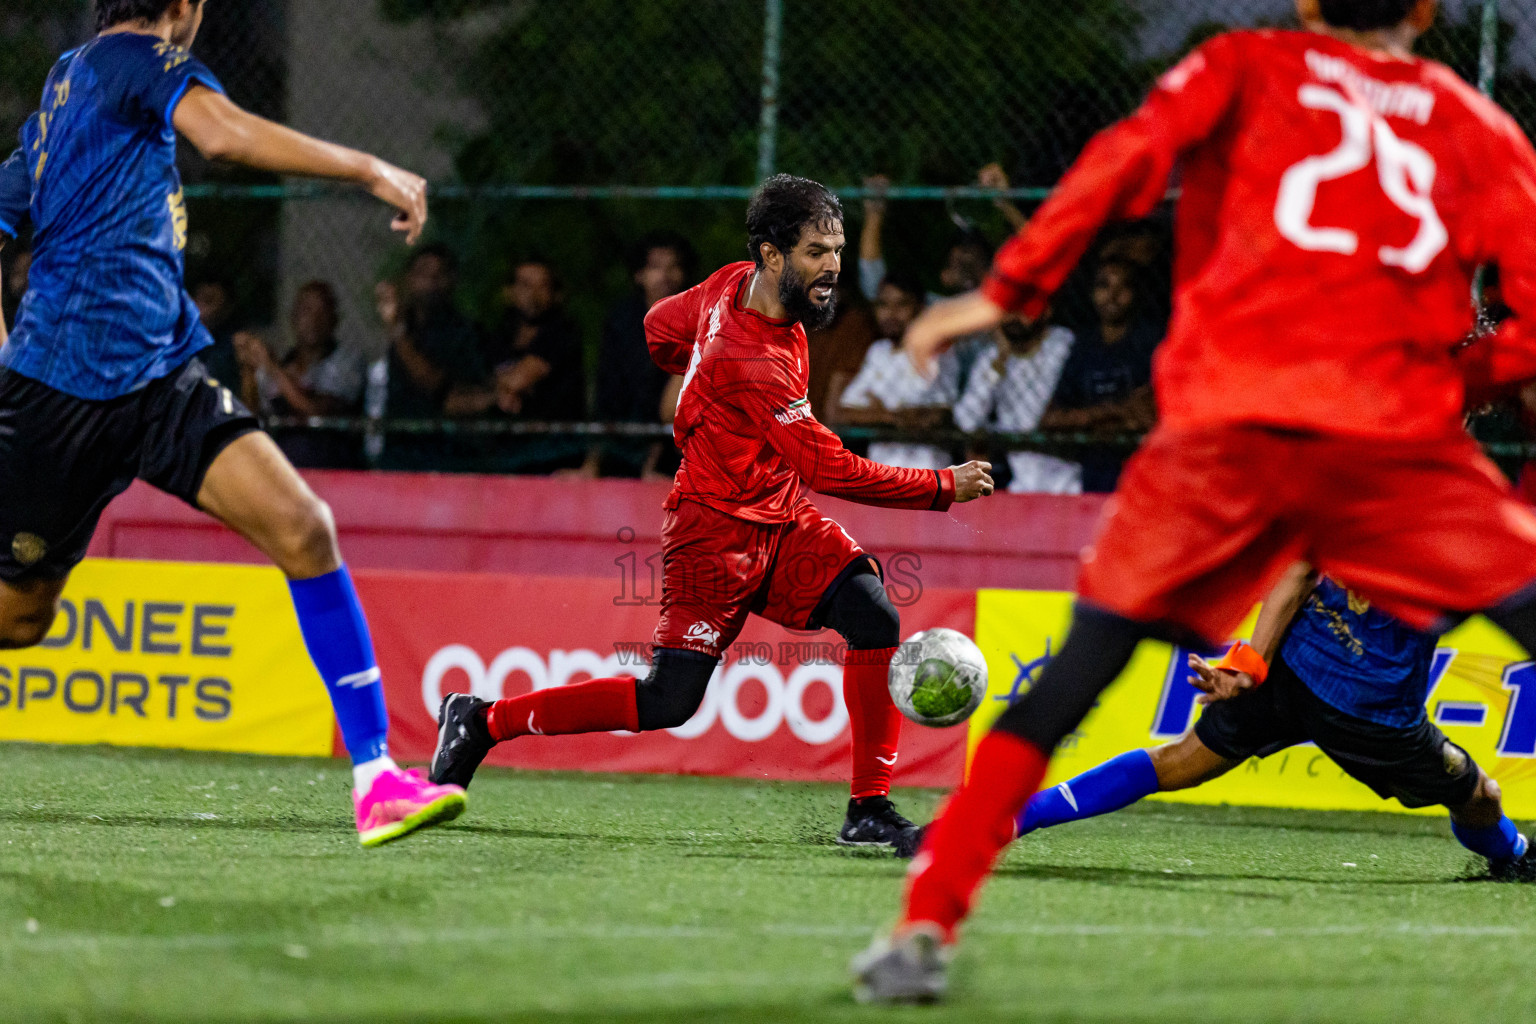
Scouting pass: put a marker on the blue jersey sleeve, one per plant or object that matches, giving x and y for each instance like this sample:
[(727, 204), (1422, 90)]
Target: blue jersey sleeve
[(15, 193), (148, 87)]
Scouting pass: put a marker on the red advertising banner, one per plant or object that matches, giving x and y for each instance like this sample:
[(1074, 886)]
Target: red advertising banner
[(774, 708)]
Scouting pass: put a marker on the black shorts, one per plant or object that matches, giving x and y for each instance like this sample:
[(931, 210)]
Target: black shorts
[(62, 459), (1417, 764)]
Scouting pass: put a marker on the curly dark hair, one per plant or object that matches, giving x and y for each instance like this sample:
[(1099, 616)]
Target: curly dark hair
[(909, 284), (783, 207), (118, 12), (1365, 15)]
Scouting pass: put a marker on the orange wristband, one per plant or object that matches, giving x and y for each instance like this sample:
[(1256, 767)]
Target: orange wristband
[(1242, 658)]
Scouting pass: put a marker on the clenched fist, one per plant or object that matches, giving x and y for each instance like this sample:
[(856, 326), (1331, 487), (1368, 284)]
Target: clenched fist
[(972, 480)]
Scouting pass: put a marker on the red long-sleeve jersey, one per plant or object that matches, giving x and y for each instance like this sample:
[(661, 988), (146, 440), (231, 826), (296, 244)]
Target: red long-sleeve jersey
[(1335, 204), (750, 444)]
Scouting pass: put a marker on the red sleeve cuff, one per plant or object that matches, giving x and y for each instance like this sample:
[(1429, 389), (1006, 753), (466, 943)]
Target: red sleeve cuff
[(946, 494), (1015, 296)]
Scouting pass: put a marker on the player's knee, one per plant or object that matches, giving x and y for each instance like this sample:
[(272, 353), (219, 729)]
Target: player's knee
[(1186, 763), (862, 613), (307, 539), (1484, 807), (674, 690), (882, 625), (27, 630), (668, 711), (1487, 799), (1171, 766)]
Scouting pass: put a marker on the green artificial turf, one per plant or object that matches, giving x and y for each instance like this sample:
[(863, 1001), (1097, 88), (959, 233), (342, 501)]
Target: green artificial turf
[(139, 886)]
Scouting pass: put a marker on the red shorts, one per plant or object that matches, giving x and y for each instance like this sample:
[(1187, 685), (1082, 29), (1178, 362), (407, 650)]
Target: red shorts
[(1206, 520), (717, 568)]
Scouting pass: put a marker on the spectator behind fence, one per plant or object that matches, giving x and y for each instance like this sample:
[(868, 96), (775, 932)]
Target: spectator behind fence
[(535, 353), (434, 352), (897, 304), (17, 268), (629, 383), (630, 386), (316, 377), (966, 263), (215, 298), (837, 351), (993, 176), (433, 367), (1106, 385), (889, 391), (1008, 391)]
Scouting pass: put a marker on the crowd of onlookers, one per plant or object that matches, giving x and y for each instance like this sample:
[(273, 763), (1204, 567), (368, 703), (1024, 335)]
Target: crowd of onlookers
[(1086, 373), (1084, 368)]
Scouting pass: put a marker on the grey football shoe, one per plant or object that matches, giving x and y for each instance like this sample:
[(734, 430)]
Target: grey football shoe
[(908, 967), (463, 740)]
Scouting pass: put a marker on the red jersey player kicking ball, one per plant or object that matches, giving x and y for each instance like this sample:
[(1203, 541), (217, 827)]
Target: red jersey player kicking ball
[(1337, 196), (740, 535)]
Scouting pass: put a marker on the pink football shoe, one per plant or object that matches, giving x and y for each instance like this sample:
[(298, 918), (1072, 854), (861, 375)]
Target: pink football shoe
[(400, 802)]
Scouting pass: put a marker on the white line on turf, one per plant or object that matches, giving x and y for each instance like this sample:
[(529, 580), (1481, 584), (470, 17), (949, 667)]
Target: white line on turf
[(74, 942)]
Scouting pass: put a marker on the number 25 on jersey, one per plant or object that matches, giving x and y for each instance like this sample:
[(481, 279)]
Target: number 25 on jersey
[(1406, 172)]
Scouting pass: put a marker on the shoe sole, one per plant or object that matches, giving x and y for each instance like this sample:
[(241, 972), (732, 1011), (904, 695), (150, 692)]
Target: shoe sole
[(871, 990), (443, 809), (866, 995), (840, 841)]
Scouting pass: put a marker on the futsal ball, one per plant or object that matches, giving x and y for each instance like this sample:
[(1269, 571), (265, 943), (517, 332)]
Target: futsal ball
[(938, 677)]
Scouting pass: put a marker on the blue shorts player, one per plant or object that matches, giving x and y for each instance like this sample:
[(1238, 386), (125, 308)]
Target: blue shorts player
[(1323, 667), (100, 381)]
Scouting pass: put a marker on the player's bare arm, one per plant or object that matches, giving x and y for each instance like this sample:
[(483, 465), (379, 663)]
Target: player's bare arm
[(223, 131), (993, 176), (1279, 608), (937, 327)]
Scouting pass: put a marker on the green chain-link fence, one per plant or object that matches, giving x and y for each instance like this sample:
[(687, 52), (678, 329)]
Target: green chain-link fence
[(567, 128)]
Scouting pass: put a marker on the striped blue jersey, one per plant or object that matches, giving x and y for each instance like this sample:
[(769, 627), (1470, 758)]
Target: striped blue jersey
[(1358, 659), (106, 311)]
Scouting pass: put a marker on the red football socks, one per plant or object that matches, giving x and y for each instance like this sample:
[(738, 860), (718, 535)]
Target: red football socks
[(963, 843), (597, 705), (874, 720)]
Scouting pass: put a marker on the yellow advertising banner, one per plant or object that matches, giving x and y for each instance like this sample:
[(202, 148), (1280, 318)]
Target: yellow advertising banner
[(155, 654), (1483, 695)]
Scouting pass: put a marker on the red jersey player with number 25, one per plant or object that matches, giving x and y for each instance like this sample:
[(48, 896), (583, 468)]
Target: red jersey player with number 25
[(740, 536), (1338, 195)]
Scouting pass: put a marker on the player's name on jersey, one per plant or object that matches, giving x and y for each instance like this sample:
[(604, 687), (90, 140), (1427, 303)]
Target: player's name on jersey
[(1389, 99)]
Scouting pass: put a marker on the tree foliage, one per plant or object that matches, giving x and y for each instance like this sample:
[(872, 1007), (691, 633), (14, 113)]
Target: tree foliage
[(669, 91), (35, 32)]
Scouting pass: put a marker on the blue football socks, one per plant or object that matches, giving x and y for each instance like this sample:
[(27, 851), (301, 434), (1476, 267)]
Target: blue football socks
[(1118, 782), (1501, 842), (336, 634)]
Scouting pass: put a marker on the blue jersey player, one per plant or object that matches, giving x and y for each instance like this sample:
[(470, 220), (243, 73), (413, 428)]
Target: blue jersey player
[(1323, 667), (100, 381)]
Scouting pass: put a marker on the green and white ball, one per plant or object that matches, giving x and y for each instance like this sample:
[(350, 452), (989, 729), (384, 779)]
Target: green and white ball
[(938, 677)]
